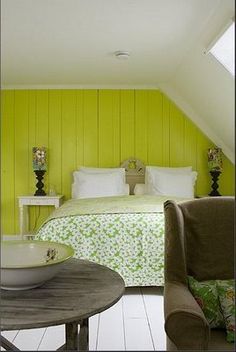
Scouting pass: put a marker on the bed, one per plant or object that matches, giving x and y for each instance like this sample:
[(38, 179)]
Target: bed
[(123, 232)]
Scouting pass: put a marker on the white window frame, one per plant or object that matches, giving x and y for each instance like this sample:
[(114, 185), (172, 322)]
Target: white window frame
[(211, 45)]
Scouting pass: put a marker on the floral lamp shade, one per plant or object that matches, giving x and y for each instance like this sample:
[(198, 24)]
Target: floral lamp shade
[(39, 158), (39, 167), (215, 159), (215, 168)]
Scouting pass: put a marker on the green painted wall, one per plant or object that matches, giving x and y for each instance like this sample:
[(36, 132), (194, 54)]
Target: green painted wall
[(93, 128)]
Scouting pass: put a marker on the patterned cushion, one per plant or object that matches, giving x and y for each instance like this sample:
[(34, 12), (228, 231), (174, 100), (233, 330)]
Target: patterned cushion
[(226, 292), (206, 295)]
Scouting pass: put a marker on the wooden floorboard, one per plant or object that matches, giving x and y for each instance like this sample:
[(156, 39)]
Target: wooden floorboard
[(153, 301), (133, 304), (111, 329), (137, 332), (53, 338), (136, 322), (93, 332), (29, 340)]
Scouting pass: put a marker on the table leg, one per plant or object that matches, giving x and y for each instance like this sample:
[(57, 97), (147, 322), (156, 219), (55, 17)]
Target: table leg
[(24, 220), (84, 335), (71, 337)]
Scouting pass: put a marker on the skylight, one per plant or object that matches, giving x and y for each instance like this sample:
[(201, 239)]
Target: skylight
[(223, 49)]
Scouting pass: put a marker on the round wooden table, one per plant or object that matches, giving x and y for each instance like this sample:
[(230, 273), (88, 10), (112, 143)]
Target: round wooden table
[(80, 290)]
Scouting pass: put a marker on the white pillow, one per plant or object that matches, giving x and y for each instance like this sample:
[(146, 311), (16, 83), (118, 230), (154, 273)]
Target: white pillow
[(75, 190), (173, 184), (170, 169), (139, 189), (98, 170), (150, 170), (91, 185)]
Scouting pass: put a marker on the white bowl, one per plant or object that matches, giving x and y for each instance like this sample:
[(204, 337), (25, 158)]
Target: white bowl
[(28, 264)]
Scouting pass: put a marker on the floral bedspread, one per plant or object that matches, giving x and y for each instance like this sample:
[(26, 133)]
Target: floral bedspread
[(124, 233)]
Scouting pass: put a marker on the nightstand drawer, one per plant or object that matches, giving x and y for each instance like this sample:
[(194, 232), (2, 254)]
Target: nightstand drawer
[(41, 202)]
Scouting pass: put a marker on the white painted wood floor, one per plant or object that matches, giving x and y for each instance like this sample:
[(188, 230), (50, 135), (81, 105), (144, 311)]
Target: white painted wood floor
[(135, 323)]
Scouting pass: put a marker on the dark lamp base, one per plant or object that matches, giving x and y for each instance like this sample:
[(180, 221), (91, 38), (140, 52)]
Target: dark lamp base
[(214, 175), (39, 176), (40, 192)]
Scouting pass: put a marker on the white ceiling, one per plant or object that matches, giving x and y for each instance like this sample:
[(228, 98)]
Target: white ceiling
[(71, 44)]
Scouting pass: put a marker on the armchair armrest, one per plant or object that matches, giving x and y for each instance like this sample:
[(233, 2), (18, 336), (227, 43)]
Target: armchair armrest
[(185, 323)]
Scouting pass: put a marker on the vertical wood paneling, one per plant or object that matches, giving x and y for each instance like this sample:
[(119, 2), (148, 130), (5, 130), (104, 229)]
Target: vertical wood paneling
[(155, 127), (21, 148), (42, 140), (8, 162), (55, 142), (80, 129), (93, 128), (203, 179), (190, 144), (141, 113), (226, 181), (176, 136), (127, 124), (116, 128), (31, 136), (165, 130), (68, 154), (42, 117), (32, 142), (108, 128), (105, 137)]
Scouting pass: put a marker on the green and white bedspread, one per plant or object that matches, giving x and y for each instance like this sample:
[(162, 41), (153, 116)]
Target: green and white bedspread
[(125, 233)]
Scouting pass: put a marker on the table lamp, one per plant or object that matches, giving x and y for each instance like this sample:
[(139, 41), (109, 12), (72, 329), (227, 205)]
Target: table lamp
[(39, 167), (215, 168)]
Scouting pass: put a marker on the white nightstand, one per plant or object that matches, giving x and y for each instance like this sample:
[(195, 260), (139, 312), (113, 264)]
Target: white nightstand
[(25, 201)]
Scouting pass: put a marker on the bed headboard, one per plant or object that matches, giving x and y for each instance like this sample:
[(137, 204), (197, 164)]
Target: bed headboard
[(135, 172)]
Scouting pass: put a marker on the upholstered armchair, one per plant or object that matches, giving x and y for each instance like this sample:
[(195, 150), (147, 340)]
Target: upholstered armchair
[(199, 241)]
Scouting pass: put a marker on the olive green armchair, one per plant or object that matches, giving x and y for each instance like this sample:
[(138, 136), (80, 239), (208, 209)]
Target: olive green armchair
[(199, 241)]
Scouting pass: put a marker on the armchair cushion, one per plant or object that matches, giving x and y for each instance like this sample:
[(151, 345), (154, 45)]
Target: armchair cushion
[(217, 301), (206, 295), (226, 291)]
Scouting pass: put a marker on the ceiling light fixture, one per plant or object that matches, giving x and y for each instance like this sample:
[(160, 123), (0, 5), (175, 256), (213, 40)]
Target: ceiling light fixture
[(122, 55)]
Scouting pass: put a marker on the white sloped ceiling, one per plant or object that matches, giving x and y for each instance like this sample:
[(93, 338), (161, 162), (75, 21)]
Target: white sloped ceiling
[(205, 90)]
